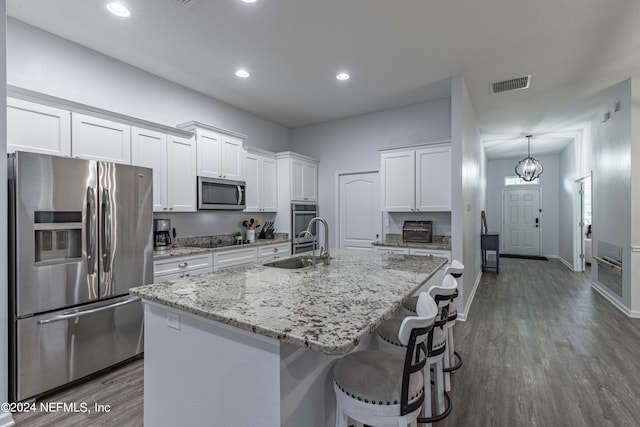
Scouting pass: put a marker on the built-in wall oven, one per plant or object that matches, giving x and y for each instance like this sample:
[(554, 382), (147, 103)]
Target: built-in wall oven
[(301, 215)]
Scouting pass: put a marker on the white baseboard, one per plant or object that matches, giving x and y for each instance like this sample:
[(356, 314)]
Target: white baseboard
[(6, 420), (463, 316), (566, 263), (614, 300)]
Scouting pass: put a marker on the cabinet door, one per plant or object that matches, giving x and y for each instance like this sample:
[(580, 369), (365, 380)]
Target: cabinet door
[(297, 174), (149, 149), (310, 181), (231, 157), (433, 179), (253, 181), (268, 191), (398, 181), (100, 139), (37, 128), (209, 152), (181, 174)]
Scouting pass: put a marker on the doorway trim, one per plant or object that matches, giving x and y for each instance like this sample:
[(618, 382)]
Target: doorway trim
[(578, 249), (336, 199)]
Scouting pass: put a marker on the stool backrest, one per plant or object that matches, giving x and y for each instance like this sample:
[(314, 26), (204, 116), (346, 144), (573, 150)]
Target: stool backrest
[(413, 332), (443, 295), (456, 269)]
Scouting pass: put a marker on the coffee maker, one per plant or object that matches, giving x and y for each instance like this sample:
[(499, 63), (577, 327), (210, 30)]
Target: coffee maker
[(161, 234)]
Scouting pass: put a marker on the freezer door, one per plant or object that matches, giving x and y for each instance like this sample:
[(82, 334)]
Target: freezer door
[(125, 215), (57, 348), (50, 228)]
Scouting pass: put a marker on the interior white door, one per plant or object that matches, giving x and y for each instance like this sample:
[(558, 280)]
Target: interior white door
[(521, 222), (359, 210)]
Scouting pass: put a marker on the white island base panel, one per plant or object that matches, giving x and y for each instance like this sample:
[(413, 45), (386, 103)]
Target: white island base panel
[(201, 372)]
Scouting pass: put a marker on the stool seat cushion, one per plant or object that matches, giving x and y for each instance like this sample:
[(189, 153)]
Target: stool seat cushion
[(411, 304), (375, 377), (390, 328)]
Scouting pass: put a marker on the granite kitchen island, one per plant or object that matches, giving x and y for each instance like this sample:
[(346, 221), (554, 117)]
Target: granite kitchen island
[(253, 345)]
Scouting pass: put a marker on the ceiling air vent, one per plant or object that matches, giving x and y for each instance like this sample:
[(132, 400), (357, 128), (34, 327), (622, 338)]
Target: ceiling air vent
[(512, 84), (186, 3)]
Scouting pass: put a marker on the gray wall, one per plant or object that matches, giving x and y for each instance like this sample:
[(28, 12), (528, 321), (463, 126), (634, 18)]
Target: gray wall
[(353, 143), (612, 181), (468, 189), (4, 311), (549, 185), (45, 63), (567, 194)]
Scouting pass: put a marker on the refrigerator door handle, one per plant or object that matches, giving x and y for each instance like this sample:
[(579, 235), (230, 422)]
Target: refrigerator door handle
[(73, 315), (90, 231), (106, 230)]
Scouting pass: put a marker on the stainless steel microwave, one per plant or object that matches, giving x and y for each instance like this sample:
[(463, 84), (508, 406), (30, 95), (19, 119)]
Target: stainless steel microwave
[(222, 194)]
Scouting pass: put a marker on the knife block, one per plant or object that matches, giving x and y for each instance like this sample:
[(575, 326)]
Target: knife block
[(265, 234)]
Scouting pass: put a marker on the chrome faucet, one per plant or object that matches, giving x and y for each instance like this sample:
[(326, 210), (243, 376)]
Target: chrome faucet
[(324, 251), (313, 247)]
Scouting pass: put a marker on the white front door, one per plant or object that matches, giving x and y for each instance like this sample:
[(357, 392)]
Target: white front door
[(359, 210), (521, 222)]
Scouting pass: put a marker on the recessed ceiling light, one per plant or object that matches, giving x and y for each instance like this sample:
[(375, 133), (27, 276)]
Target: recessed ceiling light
[(242, 73), (343, 76), (118, 9), (249, 1)]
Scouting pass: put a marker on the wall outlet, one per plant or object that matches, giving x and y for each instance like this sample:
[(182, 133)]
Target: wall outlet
[(173, 321)]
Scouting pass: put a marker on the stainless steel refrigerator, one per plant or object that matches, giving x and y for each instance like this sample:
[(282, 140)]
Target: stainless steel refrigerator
[(80, 235)]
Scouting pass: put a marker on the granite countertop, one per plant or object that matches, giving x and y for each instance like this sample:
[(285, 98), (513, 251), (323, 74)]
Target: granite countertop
[(325, 308), (193, 250), (435, 245)]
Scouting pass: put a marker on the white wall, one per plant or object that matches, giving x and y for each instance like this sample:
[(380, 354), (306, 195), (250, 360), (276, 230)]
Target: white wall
[(549, 185), (5, 417), (612, 182), (45, 63), (353, 143), (468, 190), (567, 193)]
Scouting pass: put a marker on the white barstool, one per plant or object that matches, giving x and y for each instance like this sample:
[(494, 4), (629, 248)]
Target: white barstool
[(453, 361), (377, 388), (436, 349)]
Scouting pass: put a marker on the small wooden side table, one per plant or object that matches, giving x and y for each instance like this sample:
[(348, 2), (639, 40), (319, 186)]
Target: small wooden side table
[(490, 242)]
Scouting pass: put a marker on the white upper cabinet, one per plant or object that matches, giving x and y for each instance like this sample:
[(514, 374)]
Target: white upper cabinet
[(181, 174), (433, 179), (37, 128), (173, 160), (416, 180), (398, 181), (304, 180), (260, 177), (149, 149), (100, 139), (219, 153)]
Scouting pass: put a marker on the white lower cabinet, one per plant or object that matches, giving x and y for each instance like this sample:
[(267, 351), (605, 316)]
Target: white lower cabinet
[(273, 252), (234, 257), (176, 267)]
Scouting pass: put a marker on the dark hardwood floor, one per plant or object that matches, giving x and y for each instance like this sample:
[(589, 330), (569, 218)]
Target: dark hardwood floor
[(540, 348), (121, 389)]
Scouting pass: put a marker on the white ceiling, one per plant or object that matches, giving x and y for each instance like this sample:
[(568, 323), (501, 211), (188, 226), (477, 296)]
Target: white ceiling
[(398, 53)]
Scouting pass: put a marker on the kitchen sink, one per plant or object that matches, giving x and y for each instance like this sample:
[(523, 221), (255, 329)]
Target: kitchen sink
[(293, 263)]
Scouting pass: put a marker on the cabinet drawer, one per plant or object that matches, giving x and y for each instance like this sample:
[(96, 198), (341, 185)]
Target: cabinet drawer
[(234, 257), (183, 264), (187, 273), (427, 252), (279, 250), (391, 250)]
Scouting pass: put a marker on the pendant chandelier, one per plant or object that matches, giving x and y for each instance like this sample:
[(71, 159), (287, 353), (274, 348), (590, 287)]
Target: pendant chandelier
[(529, 168)]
